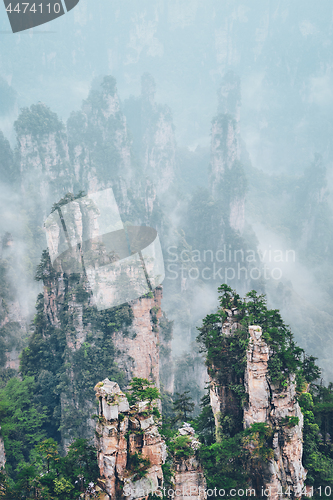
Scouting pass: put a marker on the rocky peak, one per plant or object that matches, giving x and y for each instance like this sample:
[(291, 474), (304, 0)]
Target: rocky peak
[(140, 350), (153, 135), (130, 449), (43, 158), (229, 96), (278, 408), (148, 88), (225, 164), (189, 479), (2, 452), (275, 407)]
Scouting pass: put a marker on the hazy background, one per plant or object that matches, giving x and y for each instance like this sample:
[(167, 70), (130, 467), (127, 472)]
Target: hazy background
[(282, 52)]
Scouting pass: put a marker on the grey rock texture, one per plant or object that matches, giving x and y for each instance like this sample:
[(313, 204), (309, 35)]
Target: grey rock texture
[(124, 432), (2, 452)]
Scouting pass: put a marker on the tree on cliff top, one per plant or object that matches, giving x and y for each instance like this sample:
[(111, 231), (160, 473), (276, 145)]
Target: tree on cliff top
[(142, 390), (285, 358), (226, 462)]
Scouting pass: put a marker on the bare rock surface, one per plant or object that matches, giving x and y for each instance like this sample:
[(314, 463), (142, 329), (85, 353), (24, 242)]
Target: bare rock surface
[(272, 405), (189, 479), (130, 449), (268, 404), (2, 452), (140, 356)]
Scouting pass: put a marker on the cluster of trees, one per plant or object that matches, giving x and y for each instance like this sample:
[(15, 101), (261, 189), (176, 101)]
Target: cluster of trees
[(37, 468), (48, 475), (224, 456)]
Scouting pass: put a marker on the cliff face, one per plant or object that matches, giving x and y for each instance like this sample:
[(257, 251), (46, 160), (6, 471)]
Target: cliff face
[(2, 452), (154, 137), (189, 479), (275, 406), (226, 176), (12, 325), (43, 157), (222, 398), (129, 333), (130, 449), (140, 356), (93, 152)]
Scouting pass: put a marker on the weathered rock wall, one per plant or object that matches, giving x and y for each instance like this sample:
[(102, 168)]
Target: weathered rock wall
[(272, 405), (222, 398), (266, 404), (2, 452), (13, 328), (225, 165), (130, 449), (140, 351), (189, 479)]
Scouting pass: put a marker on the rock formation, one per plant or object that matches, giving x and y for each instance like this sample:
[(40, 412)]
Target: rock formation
[(140, 351), (135, 344), (153, 134), (222, 398), (42, 150), (2, 452), (12, 325), (225, 166), (130, 449), (69, 300), (275, 407), (189, 479)]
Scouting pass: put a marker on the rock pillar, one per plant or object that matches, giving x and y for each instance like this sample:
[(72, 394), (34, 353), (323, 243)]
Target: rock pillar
[(129, 447)]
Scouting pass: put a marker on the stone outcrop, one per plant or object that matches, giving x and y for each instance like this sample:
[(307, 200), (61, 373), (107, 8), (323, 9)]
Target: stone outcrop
[(2, 452), (12, 325), (136, 349), (225, 153), (130, 449), (140, 350), (189, 479), (222, 398), (154, 135), (275, 406), (42, 150)]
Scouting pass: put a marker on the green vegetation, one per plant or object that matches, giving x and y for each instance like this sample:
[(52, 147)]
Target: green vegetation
[(318, 450), (180, 447), (230, 351), (183, 406), (60, 371), (143, 390), (138, 465), (228, 462), (48, 475), (22, 420), (38, 120), (225, 464)]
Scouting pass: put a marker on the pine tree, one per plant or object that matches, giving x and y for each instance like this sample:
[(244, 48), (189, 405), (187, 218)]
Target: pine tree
[(183, 406)]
